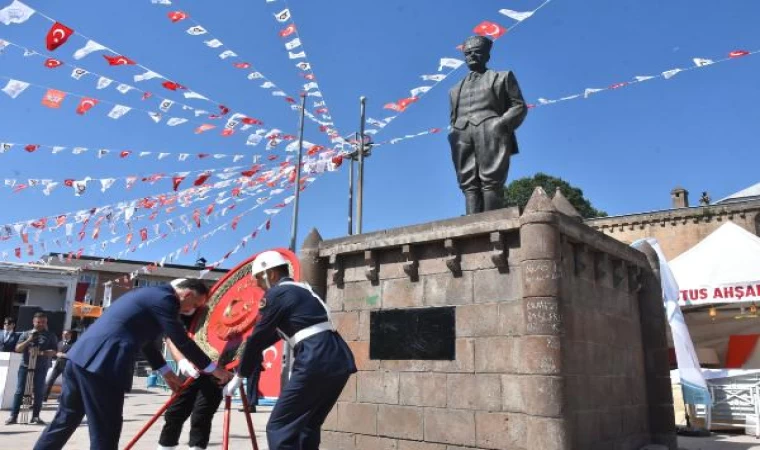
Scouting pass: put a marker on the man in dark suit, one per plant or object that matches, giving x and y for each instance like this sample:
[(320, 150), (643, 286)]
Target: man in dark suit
[(99, 371), (486, 109), (8, 336), (323, 361), (64, 345)]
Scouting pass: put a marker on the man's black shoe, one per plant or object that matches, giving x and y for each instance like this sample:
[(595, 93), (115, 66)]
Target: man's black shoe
[(11, 420), (36, 421)]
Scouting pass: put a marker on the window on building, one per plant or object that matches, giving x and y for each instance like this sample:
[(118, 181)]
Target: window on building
[(142, 282), (21, 297), (92, 280)]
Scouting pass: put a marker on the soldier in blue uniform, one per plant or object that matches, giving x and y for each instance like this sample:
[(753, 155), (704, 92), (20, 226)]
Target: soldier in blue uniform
[(322, 360)]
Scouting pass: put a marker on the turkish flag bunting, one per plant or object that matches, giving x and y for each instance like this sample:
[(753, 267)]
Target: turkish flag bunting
[(146, 95), (308, 76), (18, 252), (251, 121), (243, 65), (176, 181), (435, 130), (24, 237), (210, 209), (153, 215), (290, 99), (57, 36), (272, 157), (201, 179), (31, 147), (176, 16), (203, 155), (314, 150), (287, 31), (68, 182), (738, 53), (144, 234), (337, 160), (223, 110), (292, 177), (86, 104), (124, 153), (235, 222), (129, 238), (228, 132), (119, 60), (490, 29), (60, 220), (269, 224), (197, 218), (40, 224), (52, 63), (172, 86), (236, 192), (618, 85)]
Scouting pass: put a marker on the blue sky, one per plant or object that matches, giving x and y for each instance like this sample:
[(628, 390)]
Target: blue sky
[(625, 148)]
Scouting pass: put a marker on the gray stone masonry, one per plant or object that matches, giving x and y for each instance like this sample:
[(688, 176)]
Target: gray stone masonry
[(560, 335)]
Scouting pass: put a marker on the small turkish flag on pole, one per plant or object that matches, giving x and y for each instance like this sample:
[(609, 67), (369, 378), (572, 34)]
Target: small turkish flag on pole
[(52, 63), (119, 60), (490, 29), (57, 36)]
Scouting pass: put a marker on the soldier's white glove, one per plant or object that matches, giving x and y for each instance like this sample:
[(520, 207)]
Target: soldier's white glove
[(233, 386), (185, 367)]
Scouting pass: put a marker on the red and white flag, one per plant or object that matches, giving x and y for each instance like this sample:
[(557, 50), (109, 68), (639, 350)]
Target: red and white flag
[(738, 53), (287, 31), (57, 36), (489, 29), (176, 16), (53, 98), (119, 60), (52, 63), (86, 104)]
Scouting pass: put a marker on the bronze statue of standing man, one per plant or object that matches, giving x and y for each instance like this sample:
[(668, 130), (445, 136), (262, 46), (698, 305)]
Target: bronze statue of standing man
[(486, 109)]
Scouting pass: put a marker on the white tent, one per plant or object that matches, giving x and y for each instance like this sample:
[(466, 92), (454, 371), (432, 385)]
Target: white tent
[(723, 268)]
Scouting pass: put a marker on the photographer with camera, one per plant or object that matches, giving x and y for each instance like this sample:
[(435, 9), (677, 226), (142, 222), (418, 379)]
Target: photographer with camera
[(46, 345)]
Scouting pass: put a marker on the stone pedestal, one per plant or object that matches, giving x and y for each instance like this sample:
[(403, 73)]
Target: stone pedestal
[(559, 336)]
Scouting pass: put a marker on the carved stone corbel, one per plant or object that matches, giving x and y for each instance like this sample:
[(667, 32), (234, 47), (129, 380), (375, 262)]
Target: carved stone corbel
[(619, 272), (336, 264), (500, 253), (634, 278), (412, 264), (600, 265), (579, 251), (454, 259), (372, 271)]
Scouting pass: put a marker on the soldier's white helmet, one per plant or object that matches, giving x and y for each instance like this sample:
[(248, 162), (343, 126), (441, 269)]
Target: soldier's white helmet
[(267, 260)]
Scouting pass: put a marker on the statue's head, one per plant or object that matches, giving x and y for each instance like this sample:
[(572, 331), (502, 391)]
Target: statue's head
[(477, 52)]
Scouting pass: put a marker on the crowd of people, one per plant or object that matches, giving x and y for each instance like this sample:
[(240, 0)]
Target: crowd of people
[(97, 370)]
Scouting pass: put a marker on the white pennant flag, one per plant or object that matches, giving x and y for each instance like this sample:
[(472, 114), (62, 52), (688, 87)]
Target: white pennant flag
[(237, 158), (103, 82), (227, 54), (149, 75), (255, 76), (451, 63), (518, 16), (163, 155), (78, 150), (643, 78), (668, 74), (174, 121), (416, 92), (311, 85), (144, 154), (58, 149), (375, 122), (123, 88), (314, 94), (590, 91), (5, 147), (213, 43), (183, 156), (267, 85), (196, 30), (283, 16), (80, 186), (570, 97), (78, 73), (701, 62), (14, 88), (118, 111), (298, 55), (290, 45), (103, 152), (16, 12), (28, 53), (191, 94), (49, 187), (199, 112), (89, 47), (279, 94), (253, 140), (304, 66), (165, 105), (106, 183), (156, 117)]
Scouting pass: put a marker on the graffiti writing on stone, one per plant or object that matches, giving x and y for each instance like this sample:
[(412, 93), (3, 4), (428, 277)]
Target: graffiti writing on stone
[(542, 316), (535, 271)]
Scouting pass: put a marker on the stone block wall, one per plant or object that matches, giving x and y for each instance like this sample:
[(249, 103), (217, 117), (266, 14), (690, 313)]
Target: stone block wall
[(550, 352)]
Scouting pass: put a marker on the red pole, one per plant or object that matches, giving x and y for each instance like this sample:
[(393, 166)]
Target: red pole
[(248, 419), (226, 426), (158, 414)]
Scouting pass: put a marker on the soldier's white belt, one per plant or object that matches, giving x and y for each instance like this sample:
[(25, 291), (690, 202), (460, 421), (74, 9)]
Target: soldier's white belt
[(309, 332)]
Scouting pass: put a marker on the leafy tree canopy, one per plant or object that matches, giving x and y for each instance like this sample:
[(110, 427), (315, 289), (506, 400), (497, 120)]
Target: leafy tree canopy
[(518, 192)]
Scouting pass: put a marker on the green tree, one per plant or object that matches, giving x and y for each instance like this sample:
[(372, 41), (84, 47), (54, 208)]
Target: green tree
[(518, 192)]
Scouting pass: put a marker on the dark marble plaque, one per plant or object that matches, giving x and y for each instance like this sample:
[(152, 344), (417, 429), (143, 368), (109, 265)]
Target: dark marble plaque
[(420, 333)]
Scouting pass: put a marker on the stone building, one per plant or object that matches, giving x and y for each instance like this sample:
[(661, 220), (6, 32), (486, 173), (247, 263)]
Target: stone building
[(683, 226)]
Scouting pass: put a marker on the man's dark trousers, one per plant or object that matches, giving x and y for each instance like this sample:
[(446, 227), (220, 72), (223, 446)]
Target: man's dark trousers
[(85, 393), (38, 390), (301, 410), (252, 388), (201, 400)]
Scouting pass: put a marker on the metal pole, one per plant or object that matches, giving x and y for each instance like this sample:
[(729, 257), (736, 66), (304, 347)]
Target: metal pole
[(297, 187), (351, 195), (360, 146)]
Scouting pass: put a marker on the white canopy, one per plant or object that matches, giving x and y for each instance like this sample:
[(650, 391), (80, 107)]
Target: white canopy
[(723, 268)]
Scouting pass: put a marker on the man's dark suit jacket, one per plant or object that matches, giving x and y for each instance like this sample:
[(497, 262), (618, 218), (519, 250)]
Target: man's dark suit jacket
[(10, 344), (108, 348), (506, 101)]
